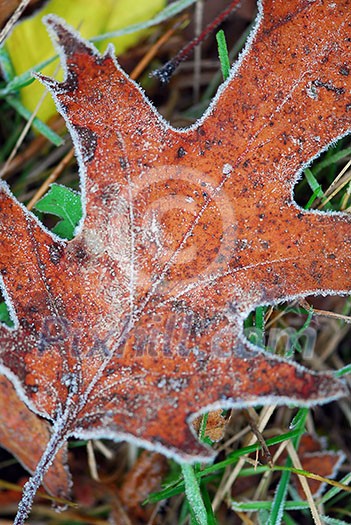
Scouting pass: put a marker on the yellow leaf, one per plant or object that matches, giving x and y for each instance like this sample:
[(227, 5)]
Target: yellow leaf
[(29, 43)]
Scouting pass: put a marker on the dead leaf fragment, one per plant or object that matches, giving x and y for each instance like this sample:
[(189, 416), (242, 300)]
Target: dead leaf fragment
[(215, 425), (26, 435), (317, 459), (144, 477)]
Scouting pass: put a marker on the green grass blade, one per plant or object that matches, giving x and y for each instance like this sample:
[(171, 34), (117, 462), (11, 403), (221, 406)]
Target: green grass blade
[(6, 65), (343, 371), (316, 188), (5, 315), (279, 501), (193, 494), (165, 14), (211, 519), (25, 78), (296, 343), (331, 160), (234, 456), (334, 491), (38, 124), (256, 506), (210, 90), (223, 54), (208, 472)]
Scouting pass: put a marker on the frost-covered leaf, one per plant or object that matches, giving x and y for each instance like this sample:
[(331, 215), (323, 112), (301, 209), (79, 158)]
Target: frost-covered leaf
[(136, 325), (26, 436), (316, 458), (28, 44)]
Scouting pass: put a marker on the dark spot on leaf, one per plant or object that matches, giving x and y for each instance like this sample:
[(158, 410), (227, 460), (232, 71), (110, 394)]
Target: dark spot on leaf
[(70, 84), (329, 87), (344, 70), (88, 142), (56, 252), (123, 162), (33, 309), (181, 152)]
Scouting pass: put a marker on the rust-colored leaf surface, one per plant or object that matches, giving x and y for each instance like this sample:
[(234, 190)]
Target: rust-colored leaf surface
[(26, 436), (317, 459), (144, 478), (135, 325)]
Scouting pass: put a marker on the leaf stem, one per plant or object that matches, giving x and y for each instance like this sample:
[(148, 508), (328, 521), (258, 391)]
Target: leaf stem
[(59, 435), (34, 482)]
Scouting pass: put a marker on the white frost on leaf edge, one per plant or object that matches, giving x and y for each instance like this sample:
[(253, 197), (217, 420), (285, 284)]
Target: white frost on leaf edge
[(116, 436), (176, 455), (110, 52)]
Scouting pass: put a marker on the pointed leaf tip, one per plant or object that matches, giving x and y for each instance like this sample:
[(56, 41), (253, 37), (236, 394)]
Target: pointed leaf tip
[(48, 82), (65, 37)]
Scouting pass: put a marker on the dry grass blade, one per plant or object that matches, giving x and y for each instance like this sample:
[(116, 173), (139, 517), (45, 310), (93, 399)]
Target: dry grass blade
[(52, 177), (339, 187), (15, 16), (145, 61), (228, 480), (297, 464)]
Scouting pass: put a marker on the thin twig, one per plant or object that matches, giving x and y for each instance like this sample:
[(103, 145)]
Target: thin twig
[(167, 70), (259, 437), (145, 61), (15, 16), (52, 177), (92, 461), (226, 484), (325, 313), (199, 15)]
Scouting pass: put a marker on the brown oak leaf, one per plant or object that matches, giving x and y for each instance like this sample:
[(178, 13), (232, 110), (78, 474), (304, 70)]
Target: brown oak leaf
[(316, 458), (26, 436), (134, 326)]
